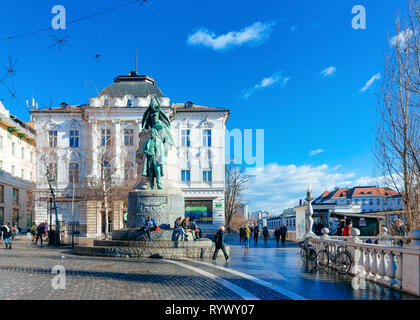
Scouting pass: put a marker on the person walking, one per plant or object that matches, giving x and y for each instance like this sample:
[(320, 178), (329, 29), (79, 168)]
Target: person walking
[(241, 234), (247, 235), (219, 240), (7, 233), (33, 232), (40, 230), (277, 235), (256, 231), (265, 234), (339, 231), (283, 232)]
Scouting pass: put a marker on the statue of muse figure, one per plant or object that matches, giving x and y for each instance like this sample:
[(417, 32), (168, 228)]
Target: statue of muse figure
[(157, 146)]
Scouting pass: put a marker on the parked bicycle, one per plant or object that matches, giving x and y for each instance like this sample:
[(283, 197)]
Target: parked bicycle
[(308, 254), (340, 260)]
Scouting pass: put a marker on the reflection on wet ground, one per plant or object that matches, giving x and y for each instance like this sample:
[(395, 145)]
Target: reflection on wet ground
[(282, 266)]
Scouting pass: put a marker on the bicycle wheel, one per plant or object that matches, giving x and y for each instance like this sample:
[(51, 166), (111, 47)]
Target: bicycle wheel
[(323, 259), (312, 258), (303, 254), (344, 262)]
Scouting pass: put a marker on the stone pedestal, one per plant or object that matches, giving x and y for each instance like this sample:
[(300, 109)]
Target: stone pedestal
[(162, 205)]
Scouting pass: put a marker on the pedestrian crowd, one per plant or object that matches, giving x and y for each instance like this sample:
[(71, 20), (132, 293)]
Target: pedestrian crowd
[(245, 233)]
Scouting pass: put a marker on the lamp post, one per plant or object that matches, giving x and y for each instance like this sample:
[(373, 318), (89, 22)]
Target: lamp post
[(53, 207)]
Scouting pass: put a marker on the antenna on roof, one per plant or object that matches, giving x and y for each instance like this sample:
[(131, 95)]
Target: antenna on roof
[(136, 61)]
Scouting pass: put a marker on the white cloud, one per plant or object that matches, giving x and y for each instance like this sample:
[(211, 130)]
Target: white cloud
[(276, 78), (252, 34), (370, 82), (328, 71), (315, 152), (277, 187), (402, 38)]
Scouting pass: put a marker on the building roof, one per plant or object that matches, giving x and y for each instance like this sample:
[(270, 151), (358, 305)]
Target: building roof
[(137, 86), (348, 193), (190, 107)]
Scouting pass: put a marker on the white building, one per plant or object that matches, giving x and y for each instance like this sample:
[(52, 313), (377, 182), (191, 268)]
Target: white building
[(71, 140), (17, 170)]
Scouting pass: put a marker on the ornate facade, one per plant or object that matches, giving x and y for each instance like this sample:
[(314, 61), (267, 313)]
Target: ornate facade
[(83, 144)]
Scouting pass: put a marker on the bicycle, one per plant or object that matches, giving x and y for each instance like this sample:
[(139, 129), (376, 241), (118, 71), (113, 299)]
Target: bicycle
[(308, 254), (341, 260)]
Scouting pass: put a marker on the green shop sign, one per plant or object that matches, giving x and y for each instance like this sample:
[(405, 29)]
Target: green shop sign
[(196, 209)]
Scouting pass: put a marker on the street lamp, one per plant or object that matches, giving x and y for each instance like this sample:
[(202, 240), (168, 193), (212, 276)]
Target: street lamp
[(53, 207)]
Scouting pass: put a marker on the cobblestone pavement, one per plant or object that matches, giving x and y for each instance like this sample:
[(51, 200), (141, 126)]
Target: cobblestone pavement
[(25, 273)]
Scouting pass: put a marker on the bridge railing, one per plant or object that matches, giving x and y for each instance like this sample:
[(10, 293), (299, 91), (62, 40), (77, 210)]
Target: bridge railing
[(392, 266)]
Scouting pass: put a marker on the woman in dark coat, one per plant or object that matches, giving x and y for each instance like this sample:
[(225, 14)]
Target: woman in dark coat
[(283, 232), (277, 235)]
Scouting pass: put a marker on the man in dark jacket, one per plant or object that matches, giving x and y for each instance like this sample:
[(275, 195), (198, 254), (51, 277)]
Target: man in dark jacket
[(283, 232), (256, 231), (7, 233), (40, 230), (265, 234), (219, 240), (277, 235)]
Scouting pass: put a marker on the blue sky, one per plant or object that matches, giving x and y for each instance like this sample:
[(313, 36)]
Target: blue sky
[(262, 60)]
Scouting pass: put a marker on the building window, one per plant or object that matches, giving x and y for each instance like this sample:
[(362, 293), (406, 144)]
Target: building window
[(129, 103), (185, 175), (1, 214), (370, 201), (52, 169), (128, 137), (52, 139), (207, 175), (32, 156), (74, 138), (22, 153), (106, 137), (207, 138), (185, 138), (378, 202), (1, 195), (363, 201), (356, 201), (22, 173), (74, 171), (13, 170), (13, 148), (15, 196), (15, 217), (128, 170)]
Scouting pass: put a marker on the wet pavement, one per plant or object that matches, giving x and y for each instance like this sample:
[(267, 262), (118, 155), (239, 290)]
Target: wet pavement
[(283, 267)]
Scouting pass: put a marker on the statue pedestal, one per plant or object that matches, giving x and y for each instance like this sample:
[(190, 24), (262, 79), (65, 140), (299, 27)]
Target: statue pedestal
[(162, 205)]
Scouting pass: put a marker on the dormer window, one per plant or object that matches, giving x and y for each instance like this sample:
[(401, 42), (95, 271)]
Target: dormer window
[(189, 104), (129, 103)]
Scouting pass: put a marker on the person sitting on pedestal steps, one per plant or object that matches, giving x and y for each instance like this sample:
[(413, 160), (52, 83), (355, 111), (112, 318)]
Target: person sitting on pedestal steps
[(197, 232), (187, 228), (149, 226), (178, 230)]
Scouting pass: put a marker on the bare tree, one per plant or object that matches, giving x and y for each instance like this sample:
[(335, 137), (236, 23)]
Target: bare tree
[(236, 184), (397, 146)]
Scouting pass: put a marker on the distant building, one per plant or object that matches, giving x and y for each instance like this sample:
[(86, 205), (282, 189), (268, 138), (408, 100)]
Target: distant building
[(257, 215), (242, 211), (362, 205), (17, 170)]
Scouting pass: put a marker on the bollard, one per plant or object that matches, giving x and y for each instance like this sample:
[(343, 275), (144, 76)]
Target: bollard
[(325, 232)]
